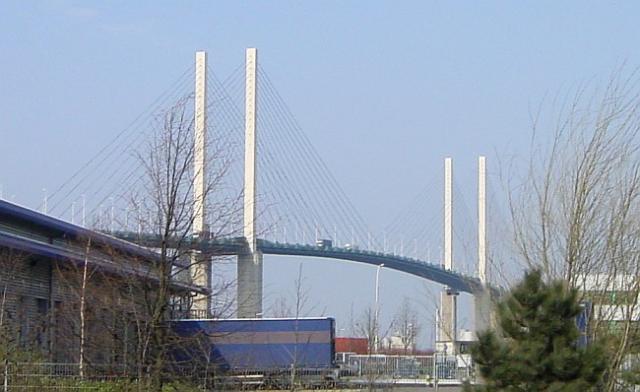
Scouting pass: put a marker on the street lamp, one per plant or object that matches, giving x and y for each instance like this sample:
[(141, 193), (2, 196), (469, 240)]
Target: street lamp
[(377, 309), (44, 201)]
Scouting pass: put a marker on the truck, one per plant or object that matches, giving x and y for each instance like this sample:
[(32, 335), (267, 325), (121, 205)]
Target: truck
[(324, 243), (263, 350)]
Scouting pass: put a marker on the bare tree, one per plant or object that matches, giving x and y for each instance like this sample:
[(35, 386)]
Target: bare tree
[(576, 214), (299, 308), (296, 303), (281, 307), (164, 205), (83, 302), (366, 326), (407, 326)]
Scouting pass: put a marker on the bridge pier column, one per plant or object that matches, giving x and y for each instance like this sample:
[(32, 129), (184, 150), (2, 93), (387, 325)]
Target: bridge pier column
[(249, 284), (447, 322), (483, 311), (200, 271)]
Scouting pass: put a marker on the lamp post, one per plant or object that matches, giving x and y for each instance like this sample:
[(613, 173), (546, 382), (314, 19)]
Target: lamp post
[(377, 309)]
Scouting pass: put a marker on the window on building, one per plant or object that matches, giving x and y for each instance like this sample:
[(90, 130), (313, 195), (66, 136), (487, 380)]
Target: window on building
[(42, 308), (42, 305), (24, 320)]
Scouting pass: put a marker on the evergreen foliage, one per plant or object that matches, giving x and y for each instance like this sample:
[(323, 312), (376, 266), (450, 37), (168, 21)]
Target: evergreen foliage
[(537, 349)]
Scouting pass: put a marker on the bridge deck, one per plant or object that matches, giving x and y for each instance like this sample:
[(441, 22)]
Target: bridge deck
[(235, 246)]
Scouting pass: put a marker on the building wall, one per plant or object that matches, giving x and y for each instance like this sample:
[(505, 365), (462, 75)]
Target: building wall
[(26, 290), (40, 308)]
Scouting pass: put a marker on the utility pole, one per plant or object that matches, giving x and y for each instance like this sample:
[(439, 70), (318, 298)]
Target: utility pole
[(376, 314)]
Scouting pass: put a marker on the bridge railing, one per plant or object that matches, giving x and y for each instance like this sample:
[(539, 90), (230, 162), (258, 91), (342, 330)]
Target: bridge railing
[(191, 314), (351, 250)]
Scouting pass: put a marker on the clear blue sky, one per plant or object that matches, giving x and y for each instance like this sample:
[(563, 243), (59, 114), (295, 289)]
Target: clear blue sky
[(384, 90)]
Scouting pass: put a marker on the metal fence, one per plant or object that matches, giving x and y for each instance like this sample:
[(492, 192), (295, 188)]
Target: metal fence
[(17, 377), (355, 371), (630, 364), (62, 376), (455, 369)]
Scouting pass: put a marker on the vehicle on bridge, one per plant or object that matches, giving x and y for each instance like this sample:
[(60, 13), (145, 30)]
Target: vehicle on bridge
[(351, 247), (324, 243)]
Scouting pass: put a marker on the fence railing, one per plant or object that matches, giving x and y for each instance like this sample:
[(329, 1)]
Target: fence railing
[(357, 370), (60, 376), (67, 376), (427, 368)]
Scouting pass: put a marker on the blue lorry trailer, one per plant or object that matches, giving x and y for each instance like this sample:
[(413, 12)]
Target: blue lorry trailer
[(264, 346)]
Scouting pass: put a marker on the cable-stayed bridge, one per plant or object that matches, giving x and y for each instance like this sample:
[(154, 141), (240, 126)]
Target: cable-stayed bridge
[(258, 186)]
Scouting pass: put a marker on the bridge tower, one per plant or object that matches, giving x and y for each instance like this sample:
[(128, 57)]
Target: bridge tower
[(249, 264), (482, 300), (200, 269), (482, 218), (447, 319)]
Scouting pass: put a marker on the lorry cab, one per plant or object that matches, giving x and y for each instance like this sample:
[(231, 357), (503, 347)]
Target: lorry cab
[(324, 243)]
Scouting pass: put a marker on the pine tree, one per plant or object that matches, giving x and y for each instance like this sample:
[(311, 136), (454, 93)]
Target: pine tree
[(537, 348)]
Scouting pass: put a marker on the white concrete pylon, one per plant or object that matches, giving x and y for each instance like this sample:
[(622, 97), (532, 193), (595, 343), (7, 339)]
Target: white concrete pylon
[(448, 217), (482, 238), (249, 266), (482, 299), (250, 149), (200, 268), (200, 142)]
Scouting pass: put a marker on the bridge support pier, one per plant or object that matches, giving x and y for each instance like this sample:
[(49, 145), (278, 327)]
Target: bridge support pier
[(483, 311), (250, 284), (200, 271), (447, 322)]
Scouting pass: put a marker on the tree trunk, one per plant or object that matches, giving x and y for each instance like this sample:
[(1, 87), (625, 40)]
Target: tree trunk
[(83, 300)]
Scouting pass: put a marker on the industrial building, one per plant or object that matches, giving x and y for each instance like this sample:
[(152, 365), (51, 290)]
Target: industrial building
[(57, 279)]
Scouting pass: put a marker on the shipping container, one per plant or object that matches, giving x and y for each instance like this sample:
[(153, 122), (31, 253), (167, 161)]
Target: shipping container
[(238, 345), (352, 345)]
